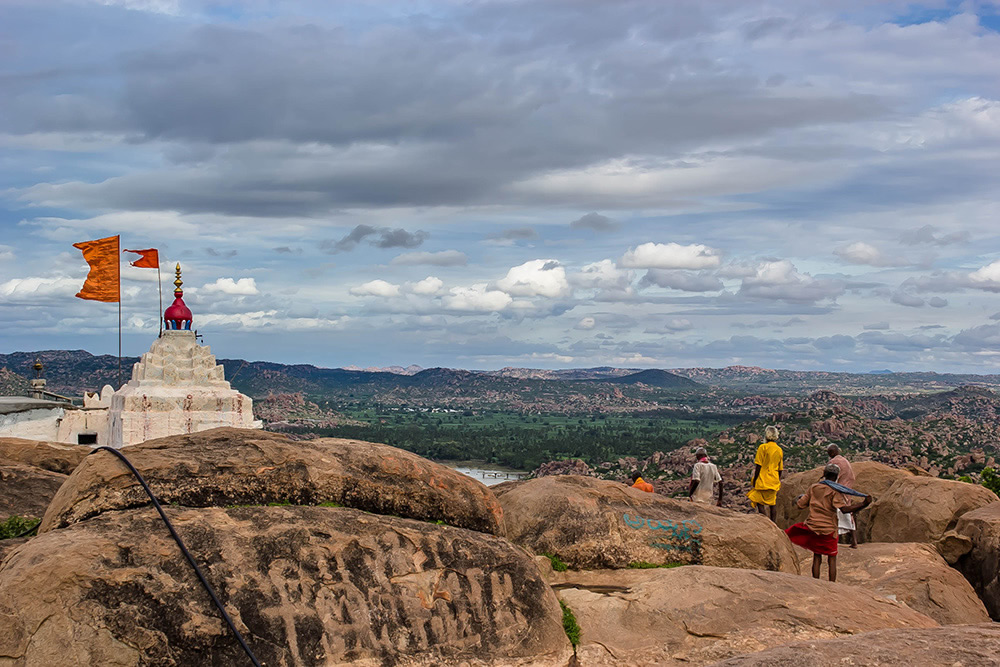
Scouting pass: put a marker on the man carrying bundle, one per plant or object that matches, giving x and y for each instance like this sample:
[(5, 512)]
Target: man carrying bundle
[(819, 532)]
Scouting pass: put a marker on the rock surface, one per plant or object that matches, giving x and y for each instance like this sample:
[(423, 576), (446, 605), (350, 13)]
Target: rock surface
[(698, 615), (228, 466), (593, 523), (921, 509), (26, 490), (306, 586), (52, 456), (981, 566), (907, 507), (872, 478), (951, 646), (914, 574)]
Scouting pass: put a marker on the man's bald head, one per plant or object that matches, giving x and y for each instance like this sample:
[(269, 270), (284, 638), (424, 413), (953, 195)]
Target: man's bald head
[(832, 451)]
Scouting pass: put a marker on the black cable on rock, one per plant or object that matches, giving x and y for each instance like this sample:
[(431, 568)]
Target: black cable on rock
[(187, 554)]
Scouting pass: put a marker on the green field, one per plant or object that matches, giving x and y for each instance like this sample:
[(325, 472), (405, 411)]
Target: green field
[(522, 441)]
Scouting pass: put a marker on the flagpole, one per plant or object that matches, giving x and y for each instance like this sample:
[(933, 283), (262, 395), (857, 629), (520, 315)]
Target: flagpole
[(159, 287), (119, 333)]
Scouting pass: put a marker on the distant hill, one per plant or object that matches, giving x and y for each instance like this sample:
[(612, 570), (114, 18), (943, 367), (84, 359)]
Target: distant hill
[(654, 377), (12, 384)]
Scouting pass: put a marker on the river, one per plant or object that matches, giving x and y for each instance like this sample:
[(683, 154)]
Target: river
[(484, 472)]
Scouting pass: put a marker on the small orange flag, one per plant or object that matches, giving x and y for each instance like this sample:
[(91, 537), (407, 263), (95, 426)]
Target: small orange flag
[(104, 280), (150, 258)]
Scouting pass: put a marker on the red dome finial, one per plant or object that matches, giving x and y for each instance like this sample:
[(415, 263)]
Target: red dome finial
[(178, 315)]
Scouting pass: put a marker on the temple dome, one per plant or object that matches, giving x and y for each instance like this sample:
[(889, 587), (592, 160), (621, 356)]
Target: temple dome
[(177, 316)]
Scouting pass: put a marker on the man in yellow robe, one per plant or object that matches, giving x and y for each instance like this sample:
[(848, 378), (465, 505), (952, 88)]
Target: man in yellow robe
[(768, 464)]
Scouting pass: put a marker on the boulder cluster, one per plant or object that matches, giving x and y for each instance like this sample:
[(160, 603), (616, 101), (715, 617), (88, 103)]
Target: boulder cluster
[(342, 552)]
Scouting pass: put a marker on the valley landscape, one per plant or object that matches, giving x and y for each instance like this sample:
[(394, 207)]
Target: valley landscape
[(609, 420), (422, 289)]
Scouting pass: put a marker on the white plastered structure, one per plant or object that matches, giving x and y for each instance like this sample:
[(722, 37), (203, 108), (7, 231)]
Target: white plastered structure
[(175, 388)]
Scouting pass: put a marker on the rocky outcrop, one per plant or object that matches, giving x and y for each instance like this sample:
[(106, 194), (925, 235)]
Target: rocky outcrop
[(951, 646), (229, 466), (981, 566), (593, 523), (921, 509), (872, 478), (306, 586), (26, 490), (7, 546), (52, 456), (913, 574), (907, 507), (698, 615)]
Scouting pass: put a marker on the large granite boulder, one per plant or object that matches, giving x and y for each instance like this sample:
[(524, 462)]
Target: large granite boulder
[(921, 509), (907, 507), (914, 574), (697, 615), (873, 478), (305, 585), (594, 523), (950, 646), (53, 456), (981, 566), (228, 466), (26, 490)]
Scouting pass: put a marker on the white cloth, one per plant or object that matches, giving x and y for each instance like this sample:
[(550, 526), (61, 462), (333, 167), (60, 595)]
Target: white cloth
[(706, 474), (845, 522)]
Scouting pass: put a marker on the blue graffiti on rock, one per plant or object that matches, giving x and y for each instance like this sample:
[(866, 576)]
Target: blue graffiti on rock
[(680, 536)]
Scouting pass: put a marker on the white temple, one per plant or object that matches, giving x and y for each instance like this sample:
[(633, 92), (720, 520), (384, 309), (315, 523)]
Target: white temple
[(175, 388)]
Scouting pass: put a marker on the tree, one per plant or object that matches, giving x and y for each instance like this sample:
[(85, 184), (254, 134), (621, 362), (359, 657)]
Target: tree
[(991, 480)]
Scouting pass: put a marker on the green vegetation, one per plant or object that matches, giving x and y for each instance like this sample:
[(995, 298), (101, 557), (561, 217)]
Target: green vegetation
[(991, 480), (16, 525), (557, 564), (643, 565), (570, 625), (524, 441)]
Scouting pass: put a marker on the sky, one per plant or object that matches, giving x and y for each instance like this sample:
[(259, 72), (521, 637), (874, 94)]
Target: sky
[(796, 184)]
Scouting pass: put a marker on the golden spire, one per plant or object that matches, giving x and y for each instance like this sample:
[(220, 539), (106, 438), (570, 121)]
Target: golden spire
[(177, 281)]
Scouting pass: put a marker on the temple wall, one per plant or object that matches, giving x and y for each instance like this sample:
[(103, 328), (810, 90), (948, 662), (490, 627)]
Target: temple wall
[(33, 424), (88, 420), (176, 388)]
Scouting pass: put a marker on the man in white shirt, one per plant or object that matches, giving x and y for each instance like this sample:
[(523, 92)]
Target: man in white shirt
[(704, 476)]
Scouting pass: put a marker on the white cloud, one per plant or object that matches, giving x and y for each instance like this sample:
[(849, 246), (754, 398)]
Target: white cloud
[(429, 285), (685, 281), (678, 324), (602, 275), (670, 256), (863, 253), (781, 281), (443, 258), (988, 277), (477, 298), (538, 277), (376, 288), (18, 289), (6, 253), (241, 287)]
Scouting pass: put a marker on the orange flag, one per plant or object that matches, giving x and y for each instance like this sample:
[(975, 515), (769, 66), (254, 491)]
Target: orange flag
[(150, 259), (104, 280)]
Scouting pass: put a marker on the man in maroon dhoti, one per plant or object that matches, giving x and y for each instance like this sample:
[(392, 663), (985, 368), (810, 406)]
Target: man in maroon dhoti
[(819, 532)]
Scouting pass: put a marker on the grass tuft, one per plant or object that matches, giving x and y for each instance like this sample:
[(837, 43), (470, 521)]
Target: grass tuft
[(570, 625), (557, 564), (643, 565), (15, 525)]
